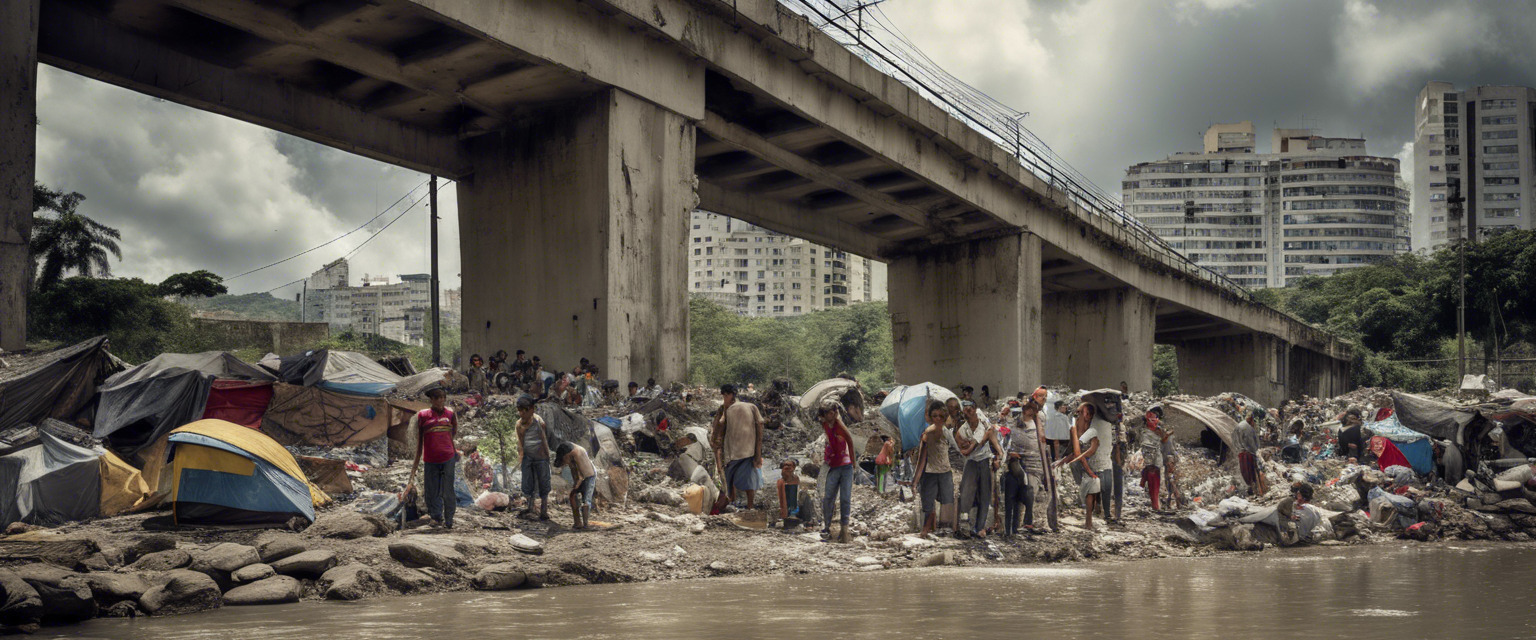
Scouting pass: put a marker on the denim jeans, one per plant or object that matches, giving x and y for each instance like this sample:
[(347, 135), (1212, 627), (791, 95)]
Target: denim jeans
[(438, 490), (839, 485)]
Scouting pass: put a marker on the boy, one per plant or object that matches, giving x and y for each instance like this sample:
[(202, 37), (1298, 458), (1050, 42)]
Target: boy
[(789, 494), (533, 457), (436, 428), (583, 481)]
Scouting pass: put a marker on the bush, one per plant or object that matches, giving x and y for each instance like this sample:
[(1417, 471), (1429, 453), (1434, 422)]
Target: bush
[(130, 312), (725, 347)]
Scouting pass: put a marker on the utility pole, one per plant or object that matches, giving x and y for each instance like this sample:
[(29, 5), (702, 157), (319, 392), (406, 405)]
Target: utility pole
[(1457, 214), (437, 355)]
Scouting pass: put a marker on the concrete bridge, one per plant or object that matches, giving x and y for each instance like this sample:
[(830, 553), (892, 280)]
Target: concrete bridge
[(583, 132)]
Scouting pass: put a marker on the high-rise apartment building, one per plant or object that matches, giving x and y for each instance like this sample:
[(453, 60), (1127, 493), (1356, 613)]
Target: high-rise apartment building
[(1311, 206), (397, 310), (1478, 142), (758, 272)]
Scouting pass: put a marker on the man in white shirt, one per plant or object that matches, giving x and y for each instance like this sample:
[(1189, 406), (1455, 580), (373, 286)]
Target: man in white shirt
[(1058, 430), (977, 441)]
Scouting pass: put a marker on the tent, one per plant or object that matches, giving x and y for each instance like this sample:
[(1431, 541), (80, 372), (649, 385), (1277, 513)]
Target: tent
[(1431, 417), (419, 383), (223, 473), (343, 371), (239, 401), (219, 364), (320, 416), (56, 481), (906, 406), (1415, 446), (62, 387), (1188, 419), (135, 413)]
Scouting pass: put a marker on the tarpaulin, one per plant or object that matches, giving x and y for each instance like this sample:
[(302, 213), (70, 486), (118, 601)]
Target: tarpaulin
[(1431, 417), (312, 415), (60, 388), (830, 389), (122, 487), (238, 401), (418, 383), (1188, 419), (50, 484), (135, 413), (906, 407), (219, 364), (1415, 446), (330, 475), (566, 424), (344, 371)]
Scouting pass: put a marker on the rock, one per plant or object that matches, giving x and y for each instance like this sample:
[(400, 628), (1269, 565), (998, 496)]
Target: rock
[(96, 562), (309, 564), (65, 595), (109, 588), (1501, 524), (526, 544), (678, 551), (415, 553), (914, 542), (351, 581), (500, 577), (871, 567), (252, 573), (405, 579), (273, 590), (696, 528), (348, 525), (225, 558), (866, 561), (20, 605), (279, 546), (121, 609), (720, 568), (652, 556), (937, 559), (181, 591), (161, 561), (149, 544), (1516, 505)]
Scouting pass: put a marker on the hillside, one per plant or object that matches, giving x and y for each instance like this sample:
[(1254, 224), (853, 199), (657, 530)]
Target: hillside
[(249, 306)]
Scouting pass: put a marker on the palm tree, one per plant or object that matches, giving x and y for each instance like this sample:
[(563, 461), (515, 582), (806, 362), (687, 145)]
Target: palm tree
[(69, 240)]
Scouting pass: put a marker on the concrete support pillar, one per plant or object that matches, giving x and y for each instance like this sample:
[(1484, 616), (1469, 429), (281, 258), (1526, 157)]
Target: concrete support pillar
[(1097, 339), (574, 233), (1315, 374), (1253, 364), (969, 312), (18, 149)]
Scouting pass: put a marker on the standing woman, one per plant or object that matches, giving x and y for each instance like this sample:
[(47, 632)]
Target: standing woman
[(838, 457)]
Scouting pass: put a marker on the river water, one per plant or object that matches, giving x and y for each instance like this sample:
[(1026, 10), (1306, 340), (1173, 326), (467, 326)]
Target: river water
[(1415, 591)]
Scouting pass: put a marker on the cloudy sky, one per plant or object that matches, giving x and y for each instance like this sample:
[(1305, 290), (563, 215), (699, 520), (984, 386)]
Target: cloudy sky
[(1107, 83)]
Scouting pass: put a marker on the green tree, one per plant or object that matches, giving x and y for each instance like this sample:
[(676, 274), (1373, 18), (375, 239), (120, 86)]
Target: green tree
[(196, 284), (130, 312), (68, 240)]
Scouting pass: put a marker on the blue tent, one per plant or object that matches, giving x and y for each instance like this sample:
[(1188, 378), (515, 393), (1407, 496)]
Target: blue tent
[(1415, 446), (224, 473), (905, 407)]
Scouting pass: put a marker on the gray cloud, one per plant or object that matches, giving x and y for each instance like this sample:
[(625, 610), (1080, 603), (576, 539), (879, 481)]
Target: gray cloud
[(1108, 83)]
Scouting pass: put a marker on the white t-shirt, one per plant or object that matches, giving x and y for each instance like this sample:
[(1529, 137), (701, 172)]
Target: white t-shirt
[(978, 435), (1105, 432)]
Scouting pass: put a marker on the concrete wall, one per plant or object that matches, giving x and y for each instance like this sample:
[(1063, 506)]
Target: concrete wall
[(1245, 363), (574, 238), (969, 312), (1097, 339), (18, 148), (282, 338), (1313, 374)]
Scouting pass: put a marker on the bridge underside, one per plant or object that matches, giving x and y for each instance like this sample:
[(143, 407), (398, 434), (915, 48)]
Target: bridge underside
[(582, 133)]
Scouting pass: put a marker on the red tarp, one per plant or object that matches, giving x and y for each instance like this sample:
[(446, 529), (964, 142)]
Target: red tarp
[(239, 401)]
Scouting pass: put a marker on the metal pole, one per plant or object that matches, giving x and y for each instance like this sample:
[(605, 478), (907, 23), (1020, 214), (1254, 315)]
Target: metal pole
[(437, 355), (304, 302), (1458, 214)]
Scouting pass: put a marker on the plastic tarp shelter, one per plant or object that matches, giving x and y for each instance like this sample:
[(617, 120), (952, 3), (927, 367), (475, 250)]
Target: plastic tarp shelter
[(62, 388), (1431, 417), (1416, 447), (323, 417), (50, 484), (135, 413), (1188, 419), (906, 405), (343, 371), (239, 401), (418, 383), (226, 474), (219, 364)]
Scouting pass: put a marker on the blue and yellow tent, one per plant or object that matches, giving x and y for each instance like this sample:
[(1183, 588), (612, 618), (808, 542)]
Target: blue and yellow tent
[(225, 473)]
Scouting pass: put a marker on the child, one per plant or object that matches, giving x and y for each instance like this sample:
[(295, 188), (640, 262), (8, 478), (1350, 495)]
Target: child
[(789, 495), (883, 462), (583, 479)]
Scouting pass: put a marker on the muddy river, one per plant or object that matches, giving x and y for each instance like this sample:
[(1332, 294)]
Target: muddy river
[(1418, 591)]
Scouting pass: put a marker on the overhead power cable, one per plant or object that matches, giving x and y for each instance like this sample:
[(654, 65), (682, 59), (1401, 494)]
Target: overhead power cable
[(335, 239)]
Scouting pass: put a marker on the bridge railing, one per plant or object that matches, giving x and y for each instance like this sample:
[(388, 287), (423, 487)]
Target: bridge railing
[(861, 27)]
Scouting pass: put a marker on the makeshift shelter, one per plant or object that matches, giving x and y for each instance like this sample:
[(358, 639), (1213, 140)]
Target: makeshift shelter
[(239, 401), (135, 413), (219, 364), (1433, 418), (340, 371), (1189, 419), (61, 388), (1415, 446), (56, 481), (226, 474), (320, 416), (906, 407), (419, 383), (566, 424)]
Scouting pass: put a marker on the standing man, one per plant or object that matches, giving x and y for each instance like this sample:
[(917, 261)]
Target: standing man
[(583, 481), (1058, 430), (1025, 467), (737, 438), (1247, 440), (533, 456), (838, 456), (436, 427), (1093, 451), (977, 441), (933, 480)]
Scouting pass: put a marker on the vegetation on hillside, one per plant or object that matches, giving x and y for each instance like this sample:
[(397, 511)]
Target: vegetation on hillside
[(726, 347), (250, 306)]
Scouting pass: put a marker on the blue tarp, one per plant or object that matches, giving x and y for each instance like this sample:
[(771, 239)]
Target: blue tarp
[(905, 406), (1416, 447)]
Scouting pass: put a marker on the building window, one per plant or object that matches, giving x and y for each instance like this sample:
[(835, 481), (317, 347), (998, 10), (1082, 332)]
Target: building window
[(1496, 182), (1501, 149), (1498, 119), (1500, 166), (1503, 134), (1502, 212), (1501, 197), (1499, 104)]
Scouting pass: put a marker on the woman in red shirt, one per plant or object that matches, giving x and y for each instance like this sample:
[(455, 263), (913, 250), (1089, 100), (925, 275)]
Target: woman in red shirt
[(839, 460)]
